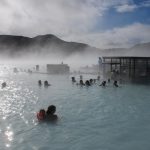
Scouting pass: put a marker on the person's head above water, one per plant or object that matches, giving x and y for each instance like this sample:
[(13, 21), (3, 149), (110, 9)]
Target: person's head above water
[(41, 114), (115, 82), (81, 82), (46, 82), (42, 111), (51, 110), (40, 82), (87, 83), (3, 84)]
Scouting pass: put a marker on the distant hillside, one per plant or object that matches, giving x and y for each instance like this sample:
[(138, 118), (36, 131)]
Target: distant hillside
[(14, 45), (42, 45)]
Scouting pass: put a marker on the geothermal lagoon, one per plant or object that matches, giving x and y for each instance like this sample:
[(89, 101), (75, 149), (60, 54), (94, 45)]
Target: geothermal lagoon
[(93, 117)]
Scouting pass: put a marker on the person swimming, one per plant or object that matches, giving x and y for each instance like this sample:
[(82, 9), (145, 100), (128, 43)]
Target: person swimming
[(41, 115), (40, 82), (46, 83), (81, 82), (91, 81), (116, 84), (87, 83), (73, 79), (103, 84), (50, 113), (4, 84)]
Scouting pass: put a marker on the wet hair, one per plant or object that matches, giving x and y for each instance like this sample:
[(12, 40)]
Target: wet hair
[(51, 110), (115, 83), (87, 83), (73, 79), (103, 84), (81, 82), (91, 80), (42, 111), (46, 82), (40, 82), (4, 83), (41, 115)]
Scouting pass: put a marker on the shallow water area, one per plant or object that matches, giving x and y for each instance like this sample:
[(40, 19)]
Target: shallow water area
[(89, 117)]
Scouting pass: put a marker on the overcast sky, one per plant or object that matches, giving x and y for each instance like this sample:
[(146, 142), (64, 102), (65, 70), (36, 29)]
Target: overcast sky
[(100, 23)]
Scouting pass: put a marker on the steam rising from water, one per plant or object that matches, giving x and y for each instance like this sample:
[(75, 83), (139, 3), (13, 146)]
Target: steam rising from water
[(74, 58)]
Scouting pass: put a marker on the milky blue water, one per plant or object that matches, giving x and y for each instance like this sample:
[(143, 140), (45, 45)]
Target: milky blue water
[(90, 118)]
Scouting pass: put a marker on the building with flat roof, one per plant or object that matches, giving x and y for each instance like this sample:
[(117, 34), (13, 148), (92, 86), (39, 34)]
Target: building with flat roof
[(130, 67), (58, 69)]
